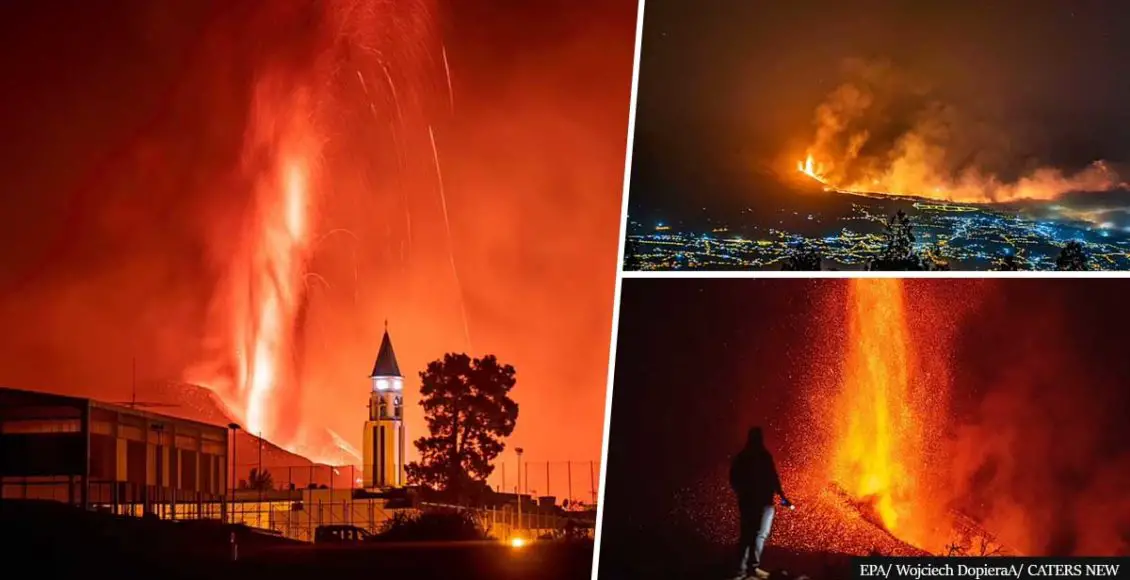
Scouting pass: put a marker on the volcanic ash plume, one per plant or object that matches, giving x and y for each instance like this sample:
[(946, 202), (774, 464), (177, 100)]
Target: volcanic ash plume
[(882, 133), (886, 415)]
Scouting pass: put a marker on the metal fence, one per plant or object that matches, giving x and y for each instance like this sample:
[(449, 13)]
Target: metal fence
[(291, 508), (576, 481), (118, 497), (285, 477), (299, 519)]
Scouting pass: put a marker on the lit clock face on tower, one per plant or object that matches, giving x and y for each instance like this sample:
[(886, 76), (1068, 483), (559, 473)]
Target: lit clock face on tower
[(386, 384)]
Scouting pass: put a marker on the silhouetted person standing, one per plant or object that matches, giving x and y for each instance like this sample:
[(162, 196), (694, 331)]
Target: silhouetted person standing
[(755, 481)]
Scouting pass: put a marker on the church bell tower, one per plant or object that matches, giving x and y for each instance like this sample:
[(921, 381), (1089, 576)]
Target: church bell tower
[(383, 460)]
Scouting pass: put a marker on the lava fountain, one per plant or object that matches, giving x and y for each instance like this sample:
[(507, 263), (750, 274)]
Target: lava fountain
[(300, 106), (273, 267), (881, 450), (811, 169)]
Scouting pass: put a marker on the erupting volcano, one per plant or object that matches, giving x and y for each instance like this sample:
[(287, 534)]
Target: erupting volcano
[(261, 305), (918, 181), (906, 418), (884, 132), (870, 472), (225, 203), (809, 168)]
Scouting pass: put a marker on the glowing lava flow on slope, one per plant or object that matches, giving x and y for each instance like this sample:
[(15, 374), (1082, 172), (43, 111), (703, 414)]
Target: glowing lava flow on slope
[(819, 173), (880, 453), (914, 171), (909, 179)]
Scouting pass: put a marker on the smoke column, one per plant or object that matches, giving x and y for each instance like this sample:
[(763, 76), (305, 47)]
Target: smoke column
[(882, 131)]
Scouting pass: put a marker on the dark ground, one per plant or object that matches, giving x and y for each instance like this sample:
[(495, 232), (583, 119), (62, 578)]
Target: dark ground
[(58, 541), (435, 560), (652, 555)]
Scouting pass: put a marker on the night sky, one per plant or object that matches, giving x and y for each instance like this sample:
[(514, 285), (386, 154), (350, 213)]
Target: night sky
[(126, 192), (730, 86), (1037, 380)]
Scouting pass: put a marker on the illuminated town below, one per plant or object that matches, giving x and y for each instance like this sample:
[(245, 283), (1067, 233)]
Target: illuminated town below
[(965, 237)]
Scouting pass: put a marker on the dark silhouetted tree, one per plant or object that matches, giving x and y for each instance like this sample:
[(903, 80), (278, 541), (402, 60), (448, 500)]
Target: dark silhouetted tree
[(984, 545), (1008, 263), (803, 257), (898, 254), (469, 412), (258, 480), (1072, 258), (433, 525), (632, 261), (933, 259), (987, 545)]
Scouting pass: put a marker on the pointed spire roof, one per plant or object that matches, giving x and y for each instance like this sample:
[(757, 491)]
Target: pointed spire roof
[(386, 359)]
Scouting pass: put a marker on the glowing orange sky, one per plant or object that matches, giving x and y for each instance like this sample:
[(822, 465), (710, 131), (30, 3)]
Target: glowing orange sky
[(159, 197)]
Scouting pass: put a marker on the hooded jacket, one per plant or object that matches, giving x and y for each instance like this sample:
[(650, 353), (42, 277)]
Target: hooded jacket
[(753, 474)]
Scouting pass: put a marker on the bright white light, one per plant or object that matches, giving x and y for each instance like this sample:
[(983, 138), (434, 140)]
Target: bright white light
[(387, 384), (517, 542)]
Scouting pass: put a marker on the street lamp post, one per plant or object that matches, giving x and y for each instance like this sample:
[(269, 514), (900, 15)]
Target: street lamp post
[(259, 474), (519, 450), (159, 429), (234, 427)]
